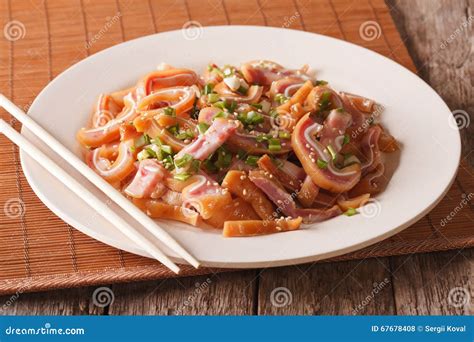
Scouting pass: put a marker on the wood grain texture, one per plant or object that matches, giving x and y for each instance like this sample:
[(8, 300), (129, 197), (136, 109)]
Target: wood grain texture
[(61, 302), (413, 284), (214, 294), (362, 287)]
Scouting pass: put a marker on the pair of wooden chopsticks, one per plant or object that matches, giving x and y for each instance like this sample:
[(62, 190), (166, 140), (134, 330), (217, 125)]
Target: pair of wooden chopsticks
[(100, 183)]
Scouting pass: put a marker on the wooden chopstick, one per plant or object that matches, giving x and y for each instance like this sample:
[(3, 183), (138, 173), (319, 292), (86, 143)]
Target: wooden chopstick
[(148, 223), (85, 195)]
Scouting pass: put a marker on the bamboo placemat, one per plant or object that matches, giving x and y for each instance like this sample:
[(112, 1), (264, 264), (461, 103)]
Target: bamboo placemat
[(38, 251)]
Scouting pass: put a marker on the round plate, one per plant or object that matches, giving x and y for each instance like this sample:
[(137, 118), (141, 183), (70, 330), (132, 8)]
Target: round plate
[(414, 114)]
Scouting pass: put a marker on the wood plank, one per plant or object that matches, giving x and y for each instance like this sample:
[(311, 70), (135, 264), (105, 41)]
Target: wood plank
[(61, 302), (423, 282), (440, 45), (216, 294), (361, 287), (434, 283)]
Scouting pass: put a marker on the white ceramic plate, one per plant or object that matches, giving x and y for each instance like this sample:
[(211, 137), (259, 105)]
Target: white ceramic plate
[(414, 114)]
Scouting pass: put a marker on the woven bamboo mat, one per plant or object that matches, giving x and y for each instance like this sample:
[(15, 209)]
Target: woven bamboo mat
[(38, 251)]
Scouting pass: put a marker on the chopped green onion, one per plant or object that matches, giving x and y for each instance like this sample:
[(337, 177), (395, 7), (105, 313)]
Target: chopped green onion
[(254, 117), (242, 90), (280, 98), (185, 135), (166, 149), (322, 164), (156, 141), (224, 158), (274, 145), (230, 105), (202, 127), (284, 135), (346, 139), (168, 163), (263, 137), (169, 111), (332, 151), (219, 104), (173, 129), (274, 148), (208, 88), (220, 115), (250, 118), (146, 138), (256, 105), (150, 152), (252, 160), (325, 101), (209, 165), (184, 160), (182, 176), (273, 113), (143, 154), (213, 98), (351, 212), (320, 83)]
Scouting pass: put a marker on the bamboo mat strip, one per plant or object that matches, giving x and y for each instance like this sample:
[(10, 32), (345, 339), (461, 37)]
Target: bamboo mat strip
[(38, 251)]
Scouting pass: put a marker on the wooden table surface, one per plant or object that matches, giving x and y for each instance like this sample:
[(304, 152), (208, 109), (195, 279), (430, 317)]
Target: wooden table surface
[(432, 283)]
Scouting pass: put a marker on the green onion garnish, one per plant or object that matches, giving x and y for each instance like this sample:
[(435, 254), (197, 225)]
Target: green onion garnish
[(254, 117), (230, 105), (173, 129), (224, 158), (321, 163), (252, 160), (346, 139), (168, 163), (209, 165), (280, 98), (143, 154), (351, 212), (284, 135), (150, 152), (169, 111), (256, 105), (182, 176), (274, 145), (220, 105), (320, 83), (156, 141), (220, 115), (263, 137), (147, 139), (185, 135), (208, 88), (325, 101), (202, 127), (184, 160), (213, 98), (242, 90), (332, 151), (167, 149)]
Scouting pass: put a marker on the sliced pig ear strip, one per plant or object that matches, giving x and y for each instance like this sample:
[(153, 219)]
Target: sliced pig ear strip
[(250, 150)]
